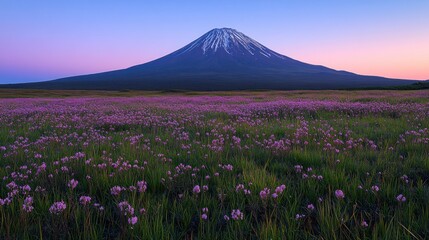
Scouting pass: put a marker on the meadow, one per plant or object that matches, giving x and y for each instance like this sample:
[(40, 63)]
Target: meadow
[(226, 165)]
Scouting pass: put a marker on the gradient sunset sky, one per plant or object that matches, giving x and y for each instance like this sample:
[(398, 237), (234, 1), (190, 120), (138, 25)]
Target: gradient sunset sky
[(45, 40)]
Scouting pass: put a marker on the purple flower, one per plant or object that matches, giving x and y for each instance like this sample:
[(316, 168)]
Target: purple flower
[(28, 204), (132, 220), (310, 207), (57, 207), (375, 188), (204, 216), (126, 208), (116, 190), (228, 167), (5, 201), (142, 211), (264, 193), (364, 224), (405, 178), (280, 189), (196, 189), (72, 184), (339, 194), (85, 200), (142, 186), (26, 188), (239, 187), (401, 198), (298, 168), (11, 185), (236, 214)]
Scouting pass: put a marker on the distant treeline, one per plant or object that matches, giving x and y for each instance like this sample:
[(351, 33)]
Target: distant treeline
[(414, 86)]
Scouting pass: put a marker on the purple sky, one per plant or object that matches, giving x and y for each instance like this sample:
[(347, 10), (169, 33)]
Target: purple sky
[(44, 40)]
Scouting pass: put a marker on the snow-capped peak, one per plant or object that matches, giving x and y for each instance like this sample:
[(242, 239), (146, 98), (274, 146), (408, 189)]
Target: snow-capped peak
[(231, 41)]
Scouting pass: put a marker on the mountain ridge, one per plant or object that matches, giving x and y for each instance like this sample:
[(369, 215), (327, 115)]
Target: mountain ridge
[(221, 59)]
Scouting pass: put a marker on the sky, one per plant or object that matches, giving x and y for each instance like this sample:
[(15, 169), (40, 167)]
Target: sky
[(45, 40)]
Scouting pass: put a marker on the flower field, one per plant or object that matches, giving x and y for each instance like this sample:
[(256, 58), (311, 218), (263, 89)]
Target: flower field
[(313, 165)]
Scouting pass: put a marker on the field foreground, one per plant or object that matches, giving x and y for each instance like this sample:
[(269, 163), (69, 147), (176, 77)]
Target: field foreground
[(281, 165)]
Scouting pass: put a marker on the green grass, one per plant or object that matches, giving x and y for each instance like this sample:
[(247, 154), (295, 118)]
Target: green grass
[(174, 212)]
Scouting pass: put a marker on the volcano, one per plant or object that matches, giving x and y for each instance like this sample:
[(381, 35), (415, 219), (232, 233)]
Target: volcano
[(221, 59)]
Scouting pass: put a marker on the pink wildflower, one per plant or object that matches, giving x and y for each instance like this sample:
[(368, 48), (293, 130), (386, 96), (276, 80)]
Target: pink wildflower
[(57, 207), (280, 189), (142, 211), (142, 186), (116, 190), (264, 193), (298, 168), (85, 200), (132, 220), (126, 208), (28, 204), (401, 198), (375, 188), (72, 184), (236, 214), (339, 194), (196, 189)]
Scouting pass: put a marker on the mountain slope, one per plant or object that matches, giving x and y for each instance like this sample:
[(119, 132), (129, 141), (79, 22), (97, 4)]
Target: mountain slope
[(221, 59)]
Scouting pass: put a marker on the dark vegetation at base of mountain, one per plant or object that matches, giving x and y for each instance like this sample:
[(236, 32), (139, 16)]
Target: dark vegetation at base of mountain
[(414, 86)]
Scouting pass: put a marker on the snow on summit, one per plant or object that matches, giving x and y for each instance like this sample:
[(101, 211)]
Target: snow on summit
[(221, 59), (230, 41)]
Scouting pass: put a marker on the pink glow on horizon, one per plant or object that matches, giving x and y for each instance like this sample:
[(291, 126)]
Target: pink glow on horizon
[(54, 39), (410, 65), (399, 58)]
